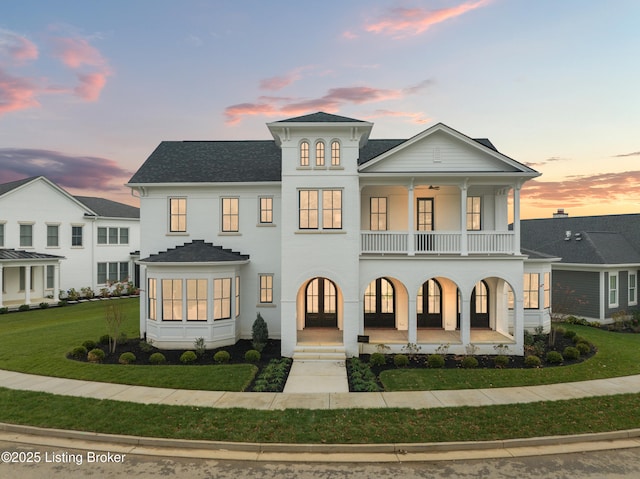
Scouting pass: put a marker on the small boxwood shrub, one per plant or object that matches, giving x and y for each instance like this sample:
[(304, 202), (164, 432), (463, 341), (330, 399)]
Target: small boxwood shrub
[(435, 361), (252, 356), (569, 334), (79, 352), (95, 355), (579, 339), (222, 357), (584, 348), (571, 352), (401, 360), (90, 344), (377, 359), (104, 339), (469, 362), (127, 358), (4, 310), (554, 357), (157, 358), (501, 361), (24, 307), (188, 357), (532, 361), (146, 346), (44, 305)]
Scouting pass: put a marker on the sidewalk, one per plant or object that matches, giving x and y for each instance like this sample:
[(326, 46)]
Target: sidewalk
[(326, 400)]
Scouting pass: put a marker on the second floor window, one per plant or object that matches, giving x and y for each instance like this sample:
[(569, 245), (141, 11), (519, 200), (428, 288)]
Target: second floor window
[(1, 234), (473, 213), (113, 235), (335, 153), (266, 210), (52, 236), (378, 214), (76, 236), (308, 213), (332, 209), (266, 288), (425, 214), (26, 236), (230, 214), (177, 215), (311, 210)]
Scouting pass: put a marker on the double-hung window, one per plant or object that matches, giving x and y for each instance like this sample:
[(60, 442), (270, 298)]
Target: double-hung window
[(113, 235), (26, 236), (53, 236), (266, 288), (613, 290), (531, 290), (547, 290), (177, 215), (474, 216), (153, 296), (76, 236), (221, 298), (197, 299), (313, 214), (1, 234), (266, 210), (633, 288), (172, 299), (379, 214), (230, 215)]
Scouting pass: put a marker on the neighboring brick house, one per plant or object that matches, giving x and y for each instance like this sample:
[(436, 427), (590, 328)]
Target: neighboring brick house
[(52, 241), (330, 234)]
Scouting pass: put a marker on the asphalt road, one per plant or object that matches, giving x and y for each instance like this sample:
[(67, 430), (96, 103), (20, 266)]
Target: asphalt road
[(75, 464)]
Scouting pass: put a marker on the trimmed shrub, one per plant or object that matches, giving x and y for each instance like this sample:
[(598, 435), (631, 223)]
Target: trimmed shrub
[(571, 353), (79, 352), (584, 348), (95, 355), (501, 361), (377, 359), (24, 307), (435, 361), (62, 303), (188, 357), (146, 346), (401, 360), (579, 339), (469, 362), (157, 358), (554, 357), (90, 344), (127, 358), (532, 361), (104, 339), (44, 305), (252, 356), (560, 330), (4, 310), (222, 357), (259, 333), (569, 334)]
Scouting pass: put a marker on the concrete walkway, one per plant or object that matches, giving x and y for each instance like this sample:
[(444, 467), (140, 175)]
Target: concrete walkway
[(317, 377), (320, 400)]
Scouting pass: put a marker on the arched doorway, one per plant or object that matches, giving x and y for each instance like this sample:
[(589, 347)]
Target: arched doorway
[(429, 305), (380, 304), (480, 305), (320, 304)]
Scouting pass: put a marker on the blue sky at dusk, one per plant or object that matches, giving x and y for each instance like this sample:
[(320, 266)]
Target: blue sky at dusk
[(88, 89)]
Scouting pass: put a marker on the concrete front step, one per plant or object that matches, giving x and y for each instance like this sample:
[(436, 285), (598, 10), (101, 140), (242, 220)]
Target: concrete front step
[(319, 353)]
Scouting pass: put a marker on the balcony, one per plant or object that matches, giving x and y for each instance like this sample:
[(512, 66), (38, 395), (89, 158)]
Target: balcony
[(437, 242)]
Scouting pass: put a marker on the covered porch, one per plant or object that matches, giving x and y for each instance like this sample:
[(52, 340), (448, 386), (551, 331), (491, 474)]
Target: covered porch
[(28, 278)]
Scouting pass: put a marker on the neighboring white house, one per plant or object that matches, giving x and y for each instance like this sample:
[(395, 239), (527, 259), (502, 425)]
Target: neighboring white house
[(52, 241), (337, 238)]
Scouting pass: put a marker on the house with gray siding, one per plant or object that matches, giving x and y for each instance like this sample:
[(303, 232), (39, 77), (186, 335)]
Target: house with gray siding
[(597, 275)]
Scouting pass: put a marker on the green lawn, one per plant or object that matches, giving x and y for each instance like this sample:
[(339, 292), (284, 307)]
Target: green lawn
[(618, 355), (37, 341)]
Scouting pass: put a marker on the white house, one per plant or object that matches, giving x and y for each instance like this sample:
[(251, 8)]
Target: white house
[(52, 241), (337, 238)]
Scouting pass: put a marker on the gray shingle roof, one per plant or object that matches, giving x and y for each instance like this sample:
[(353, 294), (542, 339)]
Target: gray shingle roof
[(319, 117), (13, 254), (211, 161), (196, 252), (608, 239), (108, 208), (12, 185)]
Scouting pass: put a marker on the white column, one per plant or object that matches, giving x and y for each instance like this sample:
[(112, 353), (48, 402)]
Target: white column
[(516, 219), (56, 281), (463, 220), (1, 286), (410, 221), (413, 320), (27, 284), (465, 320)]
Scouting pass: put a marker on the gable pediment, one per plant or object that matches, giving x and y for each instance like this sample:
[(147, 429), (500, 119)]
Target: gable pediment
[(442, 150)]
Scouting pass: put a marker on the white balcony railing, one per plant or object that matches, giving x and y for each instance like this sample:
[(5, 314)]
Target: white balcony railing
[(436, 242)]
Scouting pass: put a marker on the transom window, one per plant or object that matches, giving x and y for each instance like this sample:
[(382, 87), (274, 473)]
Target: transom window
[(378, 214), (177, 215), (320, 153), (473, 213), (304, 153), (230, 214), (335, 153)]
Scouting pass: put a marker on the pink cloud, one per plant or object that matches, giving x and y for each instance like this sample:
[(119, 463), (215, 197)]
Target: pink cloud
[(414, 117), (17, 48), (91, 86), (278, 82), (401, 22), (76, 52), (16, 93), (331, 102)]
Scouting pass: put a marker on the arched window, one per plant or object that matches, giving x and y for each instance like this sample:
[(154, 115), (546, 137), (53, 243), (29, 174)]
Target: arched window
[(429, 298), (320, 153), (304, 153), (335, 153), (321, 303)]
